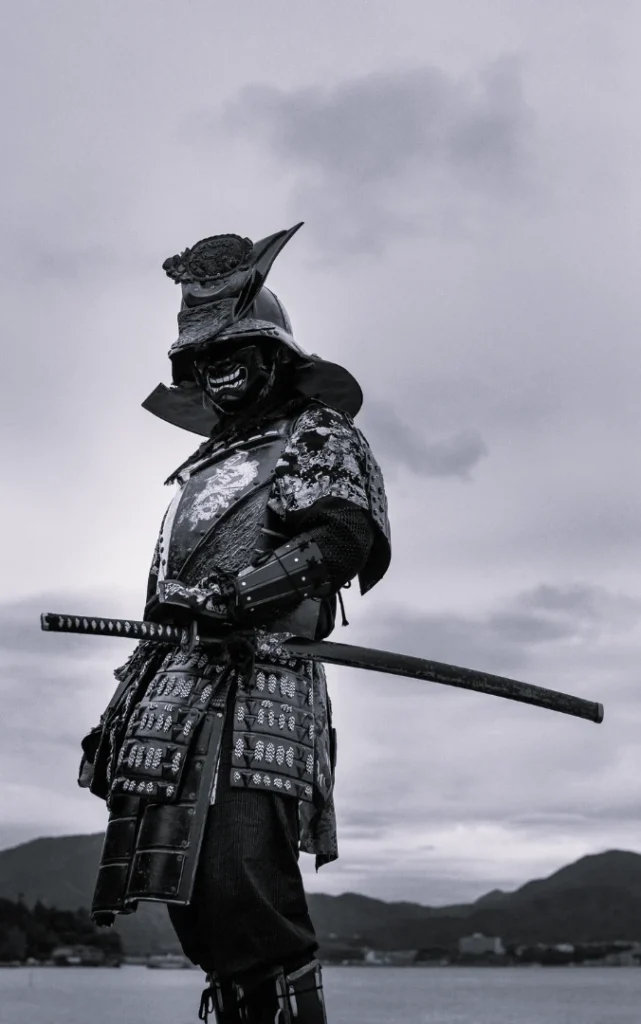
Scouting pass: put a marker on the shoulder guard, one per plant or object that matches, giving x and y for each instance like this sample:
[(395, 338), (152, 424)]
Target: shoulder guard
[(328, 460)]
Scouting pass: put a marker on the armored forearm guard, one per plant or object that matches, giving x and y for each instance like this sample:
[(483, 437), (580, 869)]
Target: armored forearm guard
[(295, 569)]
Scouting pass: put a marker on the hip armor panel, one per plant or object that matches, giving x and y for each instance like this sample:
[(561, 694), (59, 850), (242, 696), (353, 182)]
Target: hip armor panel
[(153, 838), (274, 731)]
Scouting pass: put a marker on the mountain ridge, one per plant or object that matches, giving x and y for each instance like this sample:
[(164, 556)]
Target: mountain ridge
[(598, 897)]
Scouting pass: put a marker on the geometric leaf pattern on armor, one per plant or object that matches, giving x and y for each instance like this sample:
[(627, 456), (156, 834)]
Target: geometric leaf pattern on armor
[(155, 753), (273, 737)]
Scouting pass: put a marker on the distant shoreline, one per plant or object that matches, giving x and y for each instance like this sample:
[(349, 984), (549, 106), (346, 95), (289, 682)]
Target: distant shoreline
[(356, 963)]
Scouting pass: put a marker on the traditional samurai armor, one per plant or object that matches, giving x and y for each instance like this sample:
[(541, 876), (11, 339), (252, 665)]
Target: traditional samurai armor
[(218, 762)]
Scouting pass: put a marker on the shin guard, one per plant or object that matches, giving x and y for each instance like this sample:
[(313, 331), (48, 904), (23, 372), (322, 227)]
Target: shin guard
[(271, 997)]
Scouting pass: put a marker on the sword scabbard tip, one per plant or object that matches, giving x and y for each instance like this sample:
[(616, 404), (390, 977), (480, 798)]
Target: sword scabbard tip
[(44, 620), (599, 714)]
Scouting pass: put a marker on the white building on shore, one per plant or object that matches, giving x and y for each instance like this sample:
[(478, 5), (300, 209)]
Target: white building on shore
[(477, 945)]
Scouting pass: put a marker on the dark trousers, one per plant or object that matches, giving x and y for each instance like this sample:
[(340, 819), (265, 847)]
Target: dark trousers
[(249, 909)]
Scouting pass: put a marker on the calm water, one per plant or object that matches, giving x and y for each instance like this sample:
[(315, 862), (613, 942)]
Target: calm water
[(455, 995)]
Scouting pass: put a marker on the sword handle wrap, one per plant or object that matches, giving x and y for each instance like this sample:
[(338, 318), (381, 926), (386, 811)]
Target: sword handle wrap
[(128, 628)]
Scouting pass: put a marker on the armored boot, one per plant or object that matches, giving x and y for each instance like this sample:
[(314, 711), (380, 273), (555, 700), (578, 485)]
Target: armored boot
[(267, 997)]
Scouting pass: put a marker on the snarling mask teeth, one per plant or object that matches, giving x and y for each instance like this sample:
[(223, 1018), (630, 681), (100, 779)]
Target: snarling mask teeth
[(234, 379)]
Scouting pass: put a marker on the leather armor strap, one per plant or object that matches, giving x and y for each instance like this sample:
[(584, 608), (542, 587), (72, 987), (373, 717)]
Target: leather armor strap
[(296, 568)]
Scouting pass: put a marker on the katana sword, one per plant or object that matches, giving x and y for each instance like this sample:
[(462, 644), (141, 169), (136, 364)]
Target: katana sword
[(342, 654)]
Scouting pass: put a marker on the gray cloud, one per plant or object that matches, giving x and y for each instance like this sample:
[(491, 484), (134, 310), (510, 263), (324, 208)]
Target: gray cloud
[(584, 603), (454, 639), (399, 445), (504, 640), (553, 613), (526, 629), (55, 687), (372, 128), (354, 143)]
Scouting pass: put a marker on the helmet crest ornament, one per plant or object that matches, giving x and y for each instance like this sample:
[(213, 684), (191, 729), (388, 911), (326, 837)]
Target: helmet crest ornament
[(210, 259), (225, 302)]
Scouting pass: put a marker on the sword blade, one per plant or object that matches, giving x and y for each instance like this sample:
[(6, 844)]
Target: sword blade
[(348, 656)]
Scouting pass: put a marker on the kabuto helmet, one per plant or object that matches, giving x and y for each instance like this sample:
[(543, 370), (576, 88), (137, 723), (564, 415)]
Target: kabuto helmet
[(225, 303)]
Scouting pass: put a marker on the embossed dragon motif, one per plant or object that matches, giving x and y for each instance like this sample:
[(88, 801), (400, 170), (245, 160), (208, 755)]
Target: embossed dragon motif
[(224, 484)]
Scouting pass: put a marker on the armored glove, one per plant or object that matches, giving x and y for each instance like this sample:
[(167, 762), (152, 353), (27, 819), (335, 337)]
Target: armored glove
[(213, 598), (294, 571)]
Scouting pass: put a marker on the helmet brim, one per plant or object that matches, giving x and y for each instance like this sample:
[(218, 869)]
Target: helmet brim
[(317, 379)]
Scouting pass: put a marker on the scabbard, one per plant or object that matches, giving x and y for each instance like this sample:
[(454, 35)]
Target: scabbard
[(351, 657), (449, 675)]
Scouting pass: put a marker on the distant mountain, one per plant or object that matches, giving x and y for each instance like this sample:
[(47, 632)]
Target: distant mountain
[(596, 898), (61, 872), (614, 868)]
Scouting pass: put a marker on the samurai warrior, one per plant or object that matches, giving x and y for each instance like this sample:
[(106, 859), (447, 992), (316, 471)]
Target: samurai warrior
[(217, 761)]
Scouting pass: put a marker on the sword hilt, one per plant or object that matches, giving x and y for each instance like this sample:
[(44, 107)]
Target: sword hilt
[(128, 628)]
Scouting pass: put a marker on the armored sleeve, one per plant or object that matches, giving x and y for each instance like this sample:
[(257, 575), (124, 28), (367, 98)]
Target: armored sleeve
[(328, 470), (345, 537)]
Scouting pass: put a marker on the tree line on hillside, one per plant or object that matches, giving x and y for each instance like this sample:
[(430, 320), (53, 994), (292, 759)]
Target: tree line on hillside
[(36, 933)]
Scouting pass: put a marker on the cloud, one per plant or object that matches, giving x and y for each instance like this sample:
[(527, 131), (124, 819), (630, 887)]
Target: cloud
[(555, 613), (371, 128), (353, 145), (398, 445), (502, 639), (55, 687), (585, 604)]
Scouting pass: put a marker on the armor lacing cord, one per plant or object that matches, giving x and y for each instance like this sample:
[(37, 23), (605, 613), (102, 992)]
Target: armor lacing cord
[(346, 586)]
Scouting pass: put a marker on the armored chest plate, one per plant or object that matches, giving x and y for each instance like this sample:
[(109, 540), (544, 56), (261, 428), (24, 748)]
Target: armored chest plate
[(212, 489)]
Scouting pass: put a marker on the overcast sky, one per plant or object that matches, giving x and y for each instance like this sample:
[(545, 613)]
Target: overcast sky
[(468, 177)]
